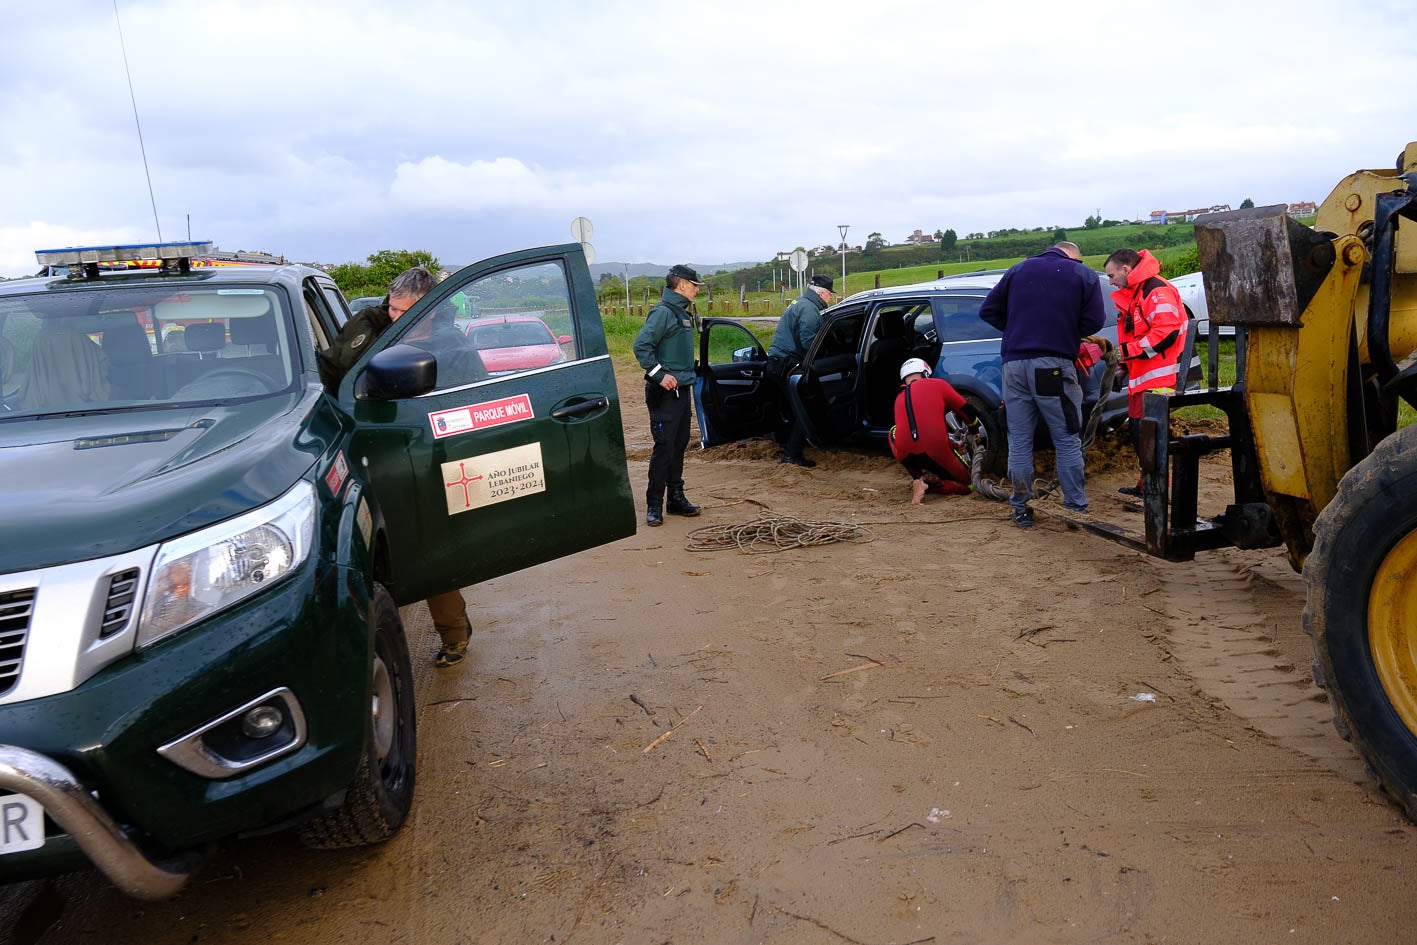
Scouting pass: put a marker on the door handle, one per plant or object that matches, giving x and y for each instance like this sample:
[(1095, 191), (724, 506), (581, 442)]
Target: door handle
[(752, 375), (575, 410)]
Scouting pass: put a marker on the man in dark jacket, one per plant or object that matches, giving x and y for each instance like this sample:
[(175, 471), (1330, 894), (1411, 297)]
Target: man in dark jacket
[(795, 330), (1044, 305), (665, 349), (449, 610)]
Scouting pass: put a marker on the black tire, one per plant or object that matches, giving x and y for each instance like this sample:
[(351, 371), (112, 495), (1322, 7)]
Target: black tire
[(1368, 534), (379, 797), (996, 444)]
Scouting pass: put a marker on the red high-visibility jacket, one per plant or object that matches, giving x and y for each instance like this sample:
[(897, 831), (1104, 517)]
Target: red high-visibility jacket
[(1151, 330)]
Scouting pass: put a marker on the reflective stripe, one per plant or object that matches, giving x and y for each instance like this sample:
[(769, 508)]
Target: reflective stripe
[(1146, 346), (1163, 308), (1167, 372), (656, 369)]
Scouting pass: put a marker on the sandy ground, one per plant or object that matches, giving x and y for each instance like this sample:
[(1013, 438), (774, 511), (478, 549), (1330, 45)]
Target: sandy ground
[(956, 732)]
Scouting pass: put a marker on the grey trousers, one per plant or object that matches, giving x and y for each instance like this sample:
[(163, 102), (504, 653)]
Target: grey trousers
[(1046, 389)]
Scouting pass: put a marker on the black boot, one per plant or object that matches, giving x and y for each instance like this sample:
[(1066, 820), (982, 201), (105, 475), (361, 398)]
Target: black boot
[(653, 516), (678, 504)]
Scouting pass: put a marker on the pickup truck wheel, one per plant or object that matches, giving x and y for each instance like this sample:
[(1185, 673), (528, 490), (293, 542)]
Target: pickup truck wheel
[(1362, 580), (378, 799), (996, 444)]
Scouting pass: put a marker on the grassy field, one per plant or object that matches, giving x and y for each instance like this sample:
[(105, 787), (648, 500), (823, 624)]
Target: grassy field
[(771, 303)]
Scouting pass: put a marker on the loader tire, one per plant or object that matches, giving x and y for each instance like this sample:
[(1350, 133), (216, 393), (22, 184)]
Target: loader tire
[(1362, 583)]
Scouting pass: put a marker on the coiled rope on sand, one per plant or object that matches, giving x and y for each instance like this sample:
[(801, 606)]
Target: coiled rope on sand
[(771, 532)]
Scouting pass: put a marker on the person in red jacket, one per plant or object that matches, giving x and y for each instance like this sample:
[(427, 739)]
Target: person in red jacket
[(1151, 331), (920, 439)]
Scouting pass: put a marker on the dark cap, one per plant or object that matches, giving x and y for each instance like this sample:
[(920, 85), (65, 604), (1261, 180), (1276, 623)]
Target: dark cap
[(682, 272), (824, 281)]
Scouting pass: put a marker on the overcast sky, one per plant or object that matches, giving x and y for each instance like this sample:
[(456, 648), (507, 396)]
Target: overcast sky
[(329, 129)]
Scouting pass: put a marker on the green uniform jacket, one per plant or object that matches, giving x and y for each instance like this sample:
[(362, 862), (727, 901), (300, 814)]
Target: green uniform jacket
[(354, 339), (666, 342), (797, 327)]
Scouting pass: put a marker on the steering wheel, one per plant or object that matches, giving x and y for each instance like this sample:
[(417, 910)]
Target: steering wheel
[(204, 380)]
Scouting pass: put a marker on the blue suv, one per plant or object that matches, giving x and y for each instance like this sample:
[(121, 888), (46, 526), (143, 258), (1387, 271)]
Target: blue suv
[(848, 380)]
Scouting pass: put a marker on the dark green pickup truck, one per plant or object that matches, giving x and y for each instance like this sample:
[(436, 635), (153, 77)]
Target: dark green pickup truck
[(202, 550)]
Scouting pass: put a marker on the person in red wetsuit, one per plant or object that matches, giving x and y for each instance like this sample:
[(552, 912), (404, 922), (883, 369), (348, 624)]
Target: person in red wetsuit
[(920, 439)]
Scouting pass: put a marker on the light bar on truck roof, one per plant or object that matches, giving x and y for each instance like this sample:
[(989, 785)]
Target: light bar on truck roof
[(133, 252)]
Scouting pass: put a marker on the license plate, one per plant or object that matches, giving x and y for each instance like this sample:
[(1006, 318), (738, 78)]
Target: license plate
[(21, 824)]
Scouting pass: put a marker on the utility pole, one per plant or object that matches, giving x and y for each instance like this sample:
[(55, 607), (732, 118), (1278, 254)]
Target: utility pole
[(843, 227), (627, 288)]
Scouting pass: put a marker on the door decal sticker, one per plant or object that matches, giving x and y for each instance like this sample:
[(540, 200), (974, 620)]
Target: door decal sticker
[(493, 413), (337, 474), (493, 477)]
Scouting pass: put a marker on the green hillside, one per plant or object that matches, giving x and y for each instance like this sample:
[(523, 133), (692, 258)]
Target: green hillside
[(1173, 244)]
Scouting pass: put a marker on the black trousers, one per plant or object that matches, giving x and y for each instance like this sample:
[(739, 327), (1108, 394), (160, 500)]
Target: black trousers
[(669, 425)]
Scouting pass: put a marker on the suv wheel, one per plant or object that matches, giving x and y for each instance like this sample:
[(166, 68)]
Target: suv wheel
[(996, 444)]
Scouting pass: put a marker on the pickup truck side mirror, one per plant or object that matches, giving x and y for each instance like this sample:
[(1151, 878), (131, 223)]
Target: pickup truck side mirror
[(396, 373)]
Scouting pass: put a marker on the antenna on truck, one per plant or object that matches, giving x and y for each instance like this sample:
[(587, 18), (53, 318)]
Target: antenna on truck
[(128, 72)]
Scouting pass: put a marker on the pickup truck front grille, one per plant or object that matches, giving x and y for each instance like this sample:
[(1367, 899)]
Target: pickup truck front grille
[(16, 609), (119, 605)]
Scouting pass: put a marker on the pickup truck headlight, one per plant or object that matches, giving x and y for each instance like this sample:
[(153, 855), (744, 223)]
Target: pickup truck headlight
[(199, 574)]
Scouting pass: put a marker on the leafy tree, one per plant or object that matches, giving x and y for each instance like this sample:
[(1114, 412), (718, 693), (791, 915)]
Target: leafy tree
[(1246, 204), (1093, 222), (874, 243), (357, 280), (1059, 235), (948, 240)]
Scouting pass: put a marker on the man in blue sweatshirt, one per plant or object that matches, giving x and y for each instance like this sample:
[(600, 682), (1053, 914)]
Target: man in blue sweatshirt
[(1045, 306)]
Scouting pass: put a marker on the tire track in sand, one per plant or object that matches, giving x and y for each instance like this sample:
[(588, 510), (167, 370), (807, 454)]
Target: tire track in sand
[(1236, 631)]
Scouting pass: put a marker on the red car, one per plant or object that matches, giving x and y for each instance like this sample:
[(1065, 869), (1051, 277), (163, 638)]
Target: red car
[(510, 343)]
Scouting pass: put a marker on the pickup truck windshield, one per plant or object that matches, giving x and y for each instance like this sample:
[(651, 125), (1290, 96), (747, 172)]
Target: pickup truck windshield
[(141, 346)]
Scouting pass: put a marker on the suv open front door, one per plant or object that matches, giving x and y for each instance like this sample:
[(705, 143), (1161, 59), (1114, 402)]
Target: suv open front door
[(732, 401), (508, 471)]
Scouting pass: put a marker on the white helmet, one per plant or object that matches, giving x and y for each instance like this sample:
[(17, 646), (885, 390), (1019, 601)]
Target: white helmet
[(914, 366)]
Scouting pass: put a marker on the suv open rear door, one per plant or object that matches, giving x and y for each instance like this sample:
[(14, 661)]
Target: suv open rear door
[(827, 394)]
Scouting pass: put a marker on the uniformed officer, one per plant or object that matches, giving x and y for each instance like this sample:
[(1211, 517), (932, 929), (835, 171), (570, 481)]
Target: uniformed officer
[(795, 330), (449, 610), (665, 349)]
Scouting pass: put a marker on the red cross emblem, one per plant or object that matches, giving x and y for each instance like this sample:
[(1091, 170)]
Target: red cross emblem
[(463, 480)]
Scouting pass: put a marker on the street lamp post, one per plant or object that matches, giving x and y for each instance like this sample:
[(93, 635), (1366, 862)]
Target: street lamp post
[(843, 227)]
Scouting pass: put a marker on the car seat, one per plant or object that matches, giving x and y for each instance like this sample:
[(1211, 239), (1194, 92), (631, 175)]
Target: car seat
[(204, 342), (260, 330), (130, 368), (207, 338), (890, 346), (66, 368), (263, 344)]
